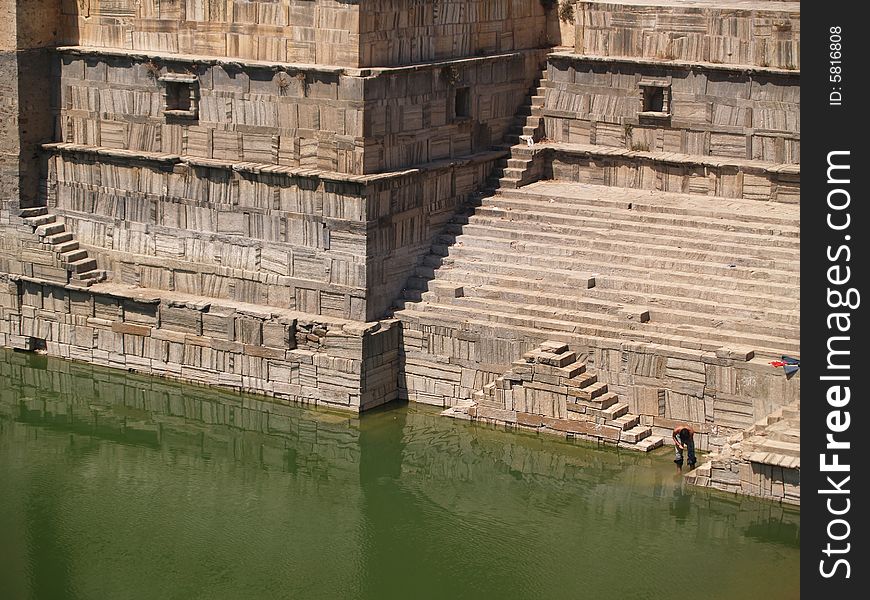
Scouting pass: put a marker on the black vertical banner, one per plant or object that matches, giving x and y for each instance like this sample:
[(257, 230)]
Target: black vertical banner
[(834, 172)]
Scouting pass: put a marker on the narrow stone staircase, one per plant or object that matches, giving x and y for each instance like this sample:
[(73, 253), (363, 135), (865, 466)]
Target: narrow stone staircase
[(550, 390), (53, 235), (528, 124)]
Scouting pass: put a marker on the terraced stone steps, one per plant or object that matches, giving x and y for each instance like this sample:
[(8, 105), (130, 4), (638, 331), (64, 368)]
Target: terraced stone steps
[(550, 390), (585, 264), (711, 329), (53, 234), (602, 238), (721, 276), (775, 320), (526, 278), (567, 212), (568, 223), (646, 201), (591, 325)]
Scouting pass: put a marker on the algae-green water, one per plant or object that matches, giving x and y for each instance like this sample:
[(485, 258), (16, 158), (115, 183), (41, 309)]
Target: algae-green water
[(121, 486)]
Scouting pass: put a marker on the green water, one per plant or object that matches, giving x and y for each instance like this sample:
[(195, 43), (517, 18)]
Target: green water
[(119, 486)]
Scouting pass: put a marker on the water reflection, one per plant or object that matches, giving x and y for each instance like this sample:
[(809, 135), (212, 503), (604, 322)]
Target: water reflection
[(191, 492)]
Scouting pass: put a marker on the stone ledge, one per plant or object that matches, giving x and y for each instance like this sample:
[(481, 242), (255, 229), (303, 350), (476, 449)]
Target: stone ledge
[(675, 158), (674, 64), (266, 168)]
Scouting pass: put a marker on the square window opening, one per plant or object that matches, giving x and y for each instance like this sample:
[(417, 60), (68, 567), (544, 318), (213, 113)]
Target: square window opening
[(177, 96), (654, 99)]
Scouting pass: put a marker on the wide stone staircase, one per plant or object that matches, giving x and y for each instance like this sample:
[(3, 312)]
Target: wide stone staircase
[(53, 235), (605, 263), (549, 389)]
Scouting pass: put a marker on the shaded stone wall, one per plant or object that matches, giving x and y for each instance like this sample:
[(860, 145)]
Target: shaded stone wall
[(411, 116), (725, 114), (27, 96), (303, 31), (244, 347), (767, 34)]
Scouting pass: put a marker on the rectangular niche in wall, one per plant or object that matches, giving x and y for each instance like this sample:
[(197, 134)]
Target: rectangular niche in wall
[(655, 99), (180, 95), (462, 103)]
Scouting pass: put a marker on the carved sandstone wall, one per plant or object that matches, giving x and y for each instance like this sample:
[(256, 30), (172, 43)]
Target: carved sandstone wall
[(712, 112)]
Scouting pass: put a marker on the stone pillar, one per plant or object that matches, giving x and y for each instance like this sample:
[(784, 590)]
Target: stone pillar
[(28, 32)]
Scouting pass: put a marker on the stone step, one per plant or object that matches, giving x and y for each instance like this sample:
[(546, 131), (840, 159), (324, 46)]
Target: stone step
[(686, 347), (650, 443), (493, 240), (92, 277), (83, 265), (580, 195), (617, 411), (50, 229), (514, 172), (584, 379), (65, 247), (601, 401), (624, 423), (518, 163), (779, 447), (570, 279), (538, 217), (589, 392), (506, 182), (609, 263), (38, 220), (535, 305), (520, 200), (769, 338), (666, 309), (544, 280), (59, 238), (73, 255), (603, 237), (635, 434), (32, 212)]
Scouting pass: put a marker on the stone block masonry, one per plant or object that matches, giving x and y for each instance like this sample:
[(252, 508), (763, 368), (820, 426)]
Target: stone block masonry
[(284, 354), (713, 111), (762, 33)]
